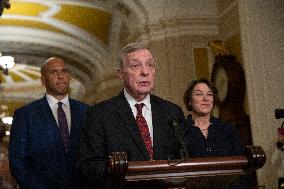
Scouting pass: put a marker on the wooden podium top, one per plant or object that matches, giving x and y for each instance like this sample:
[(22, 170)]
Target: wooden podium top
[(185, 172)]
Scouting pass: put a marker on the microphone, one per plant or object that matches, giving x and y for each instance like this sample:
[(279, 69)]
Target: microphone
[(179, 137)]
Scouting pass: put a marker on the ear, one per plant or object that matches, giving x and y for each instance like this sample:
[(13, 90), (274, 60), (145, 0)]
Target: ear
[(120, 73), (70, 77), (42, 79)]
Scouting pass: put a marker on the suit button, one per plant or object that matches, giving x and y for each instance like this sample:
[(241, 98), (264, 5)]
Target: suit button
[(209, 149)]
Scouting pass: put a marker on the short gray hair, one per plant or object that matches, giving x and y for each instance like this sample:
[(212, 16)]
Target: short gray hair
[(132, 47)]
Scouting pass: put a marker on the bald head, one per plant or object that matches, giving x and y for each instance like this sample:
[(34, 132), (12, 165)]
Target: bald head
[(49, 61), (55, 77)]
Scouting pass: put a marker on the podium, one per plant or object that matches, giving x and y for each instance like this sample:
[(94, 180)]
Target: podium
[(185, 173)]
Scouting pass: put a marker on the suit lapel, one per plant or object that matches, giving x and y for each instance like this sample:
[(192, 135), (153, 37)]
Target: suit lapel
[(47, 113), (128, 120), (158, 127), (75, 126)]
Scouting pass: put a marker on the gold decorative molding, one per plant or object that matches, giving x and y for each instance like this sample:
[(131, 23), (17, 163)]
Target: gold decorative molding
[(69, 19)]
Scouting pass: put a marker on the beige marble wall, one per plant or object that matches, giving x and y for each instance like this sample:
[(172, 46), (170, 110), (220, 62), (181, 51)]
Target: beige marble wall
[(229, 21), (174, 69), (262, 37)]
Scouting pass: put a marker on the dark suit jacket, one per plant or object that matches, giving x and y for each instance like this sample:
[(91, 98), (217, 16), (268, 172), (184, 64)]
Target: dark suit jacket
[(223, 139), (36, 153), (111, 127)]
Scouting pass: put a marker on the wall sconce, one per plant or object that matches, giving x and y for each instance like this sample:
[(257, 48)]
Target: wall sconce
[(5, 121), (5, 126), (6, 63)]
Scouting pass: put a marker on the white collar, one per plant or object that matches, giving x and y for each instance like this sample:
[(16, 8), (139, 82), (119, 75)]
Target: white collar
[(132, 100), (52, 101)]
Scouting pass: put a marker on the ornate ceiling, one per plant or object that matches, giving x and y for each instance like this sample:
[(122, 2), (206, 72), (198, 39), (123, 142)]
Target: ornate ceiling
[(87, 35), (81, 32)]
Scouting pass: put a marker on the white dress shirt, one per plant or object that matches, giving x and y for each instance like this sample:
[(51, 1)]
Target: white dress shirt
[(146, 111), (65, 105)]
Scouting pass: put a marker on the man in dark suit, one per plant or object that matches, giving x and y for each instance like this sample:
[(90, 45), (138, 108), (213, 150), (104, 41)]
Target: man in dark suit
[(114, 126), (42, 153)]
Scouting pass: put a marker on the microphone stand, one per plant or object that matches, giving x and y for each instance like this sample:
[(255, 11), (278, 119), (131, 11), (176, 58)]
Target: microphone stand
[(179, 137)]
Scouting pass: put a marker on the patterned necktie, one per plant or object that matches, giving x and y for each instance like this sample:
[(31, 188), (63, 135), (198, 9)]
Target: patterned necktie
[(63, 126), (144, 130)]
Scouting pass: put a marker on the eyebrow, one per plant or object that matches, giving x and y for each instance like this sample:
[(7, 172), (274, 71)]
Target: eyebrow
[(56, 68), (203, 91), (135, 59)]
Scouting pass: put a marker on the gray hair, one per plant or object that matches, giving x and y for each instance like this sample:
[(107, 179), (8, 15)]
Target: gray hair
[(132, 47)]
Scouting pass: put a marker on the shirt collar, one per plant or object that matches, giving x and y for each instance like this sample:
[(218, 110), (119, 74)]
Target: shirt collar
[(132, 101), (52, 101), (192, 123)]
